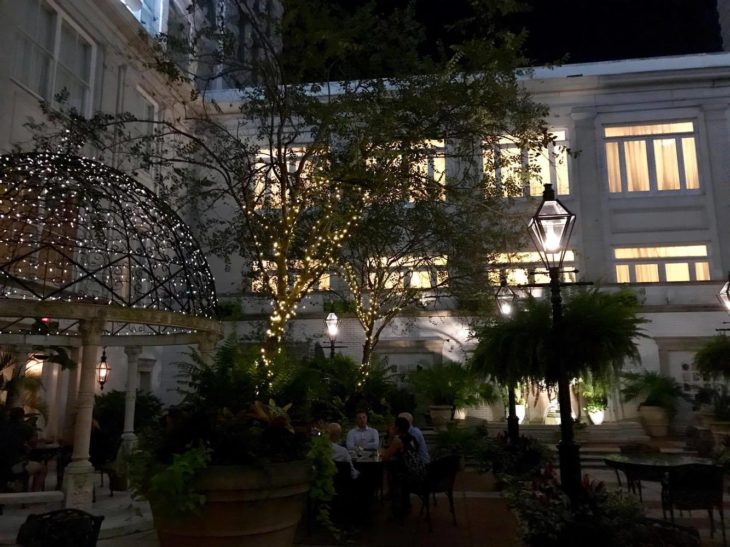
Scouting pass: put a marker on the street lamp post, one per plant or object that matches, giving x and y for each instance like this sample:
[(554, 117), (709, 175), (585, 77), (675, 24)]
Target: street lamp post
[(333, 326), (506, 300), (550, 229)]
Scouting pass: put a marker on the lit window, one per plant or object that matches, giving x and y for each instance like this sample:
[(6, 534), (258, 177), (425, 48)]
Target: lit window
[(430, 173), (676, 263), (518, 173), (655, 157), (269, 187), (52, 55), (415, 273), (527, 268)]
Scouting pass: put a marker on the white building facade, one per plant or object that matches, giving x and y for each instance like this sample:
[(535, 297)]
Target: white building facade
[(647, 175)]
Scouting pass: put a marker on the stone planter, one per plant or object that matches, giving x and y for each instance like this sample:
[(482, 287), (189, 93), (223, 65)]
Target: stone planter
[(655, 420), (597, 416), (440, 416), (245, 507)]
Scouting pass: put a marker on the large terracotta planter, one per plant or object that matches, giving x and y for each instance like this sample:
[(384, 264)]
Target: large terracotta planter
[(440, 416), (245, 507), (655, 420)]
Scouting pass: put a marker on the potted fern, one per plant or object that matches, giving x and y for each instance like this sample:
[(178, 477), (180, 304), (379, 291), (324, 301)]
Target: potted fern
[(445, 387), (230, 464), (659, 395)]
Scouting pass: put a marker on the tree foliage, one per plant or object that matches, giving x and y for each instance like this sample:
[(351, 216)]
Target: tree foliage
[(286, 133)]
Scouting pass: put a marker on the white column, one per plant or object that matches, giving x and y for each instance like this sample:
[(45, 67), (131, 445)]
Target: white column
[(206, 344), (133, 352), (78, 481), (72, 389), (53, 399)]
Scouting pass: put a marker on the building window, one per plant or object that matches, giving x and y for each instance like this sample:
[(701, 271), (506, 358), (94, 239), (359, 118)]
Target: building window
[(527, 268), (52, 56), (430, 173), (520, 173), (655, 157), (669, 264), (145, 109), (148, 13)]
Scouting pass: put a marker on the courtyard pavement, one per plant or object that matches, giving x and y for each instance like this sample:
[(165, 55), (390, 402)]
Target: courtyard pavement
[(483, 518)]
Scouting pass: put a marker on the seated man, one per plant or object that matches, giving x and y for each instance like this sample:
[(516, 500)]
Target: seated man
[(18, 438), (362, 436), (339, 452), (417, 434)]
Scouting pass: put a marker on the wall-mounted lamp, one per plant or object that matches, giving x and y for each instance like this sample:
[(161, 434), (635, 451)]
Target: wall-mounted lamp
[(102, 370)]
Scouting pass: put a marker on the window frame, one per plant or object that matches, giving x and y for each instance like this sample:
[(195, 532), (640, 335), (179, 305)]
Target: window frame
[(649, 140), (60, 17), (554, 153), (662, 262)]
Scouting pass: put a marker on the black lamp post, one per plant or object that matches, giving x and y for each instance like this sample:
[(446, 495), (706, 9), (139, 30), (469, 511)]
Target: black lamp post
[(506, 300), (550, 229), (102, 370), (333, 323)]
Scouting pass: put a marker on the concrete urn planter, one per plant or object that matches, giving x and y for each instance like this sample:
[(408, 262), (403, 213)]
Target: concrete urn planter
[(597, 416), (655, 420), (440, 416), (245, 506)]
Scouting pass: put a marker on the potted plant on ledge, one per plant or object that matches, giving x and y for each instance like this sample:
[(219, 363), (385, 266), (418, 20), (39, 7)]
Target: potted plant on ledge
[(230, 466), (660, 395), (447, 386)]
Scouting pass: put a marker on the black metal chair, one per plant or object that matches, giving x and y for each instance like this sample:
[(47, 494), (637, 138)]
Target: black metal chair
[(695, 486), (440, 477), (63, 528)]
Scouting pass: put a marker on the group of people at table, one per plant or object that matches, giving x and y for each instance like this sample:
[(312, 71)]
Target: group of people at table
[(405, 454)]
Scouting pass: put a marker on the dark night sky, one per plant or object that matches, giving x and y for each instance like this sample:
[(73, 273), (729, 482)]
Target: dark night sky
[(599, 30)]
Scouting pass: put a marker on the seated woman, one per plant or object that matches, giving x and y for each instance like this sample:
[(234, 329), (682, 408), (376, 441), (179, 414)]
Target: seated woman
[(406, 470)]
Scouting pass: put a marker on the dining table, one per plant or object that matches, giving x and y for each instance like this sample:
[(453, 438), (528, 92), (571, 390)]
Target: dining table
[(370, 466), (649, 466)]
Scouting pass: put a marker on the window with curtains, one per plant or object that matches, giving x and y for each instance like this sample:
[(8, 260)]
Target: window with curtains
[(51, 55), (520, 173), (652, 157), (671, 263), (526, 267)]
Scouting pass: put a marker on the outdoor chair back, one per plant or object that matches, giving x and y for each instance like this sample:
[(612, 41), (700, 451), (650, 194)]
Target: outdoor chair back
[(440, 477), (695, 486)]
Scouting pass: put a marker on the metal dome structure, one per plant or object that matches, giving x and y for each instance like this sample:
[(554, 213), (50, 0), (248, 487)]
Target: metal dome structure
[(73, 230)]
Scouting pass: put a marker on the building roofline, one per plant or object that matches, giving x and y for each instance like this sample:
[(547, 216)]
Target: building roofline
[(629, 66)]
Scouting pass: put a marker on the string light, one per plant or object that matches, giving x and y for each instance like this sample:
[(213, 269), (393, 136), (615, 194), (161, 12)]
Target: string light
[(75, 230)]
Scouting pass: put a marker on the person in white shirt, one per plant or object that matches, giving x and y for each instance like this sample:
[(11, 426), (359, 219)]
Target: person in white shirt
[(362, 436), (417, 434), (339, 452)]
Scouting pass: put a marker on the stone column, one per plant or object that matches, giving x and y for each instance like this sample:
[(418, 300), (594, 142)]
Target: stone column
[(54, 396), (78, 480), (128, 437), (72, 389), (206, 344)]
